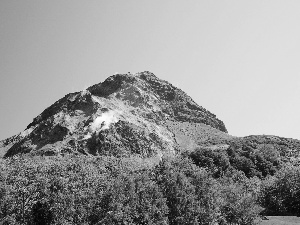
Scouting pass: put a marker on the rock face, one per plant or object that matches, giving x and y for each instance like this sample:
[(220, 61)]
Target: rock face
[(133, 115), (125, 115)]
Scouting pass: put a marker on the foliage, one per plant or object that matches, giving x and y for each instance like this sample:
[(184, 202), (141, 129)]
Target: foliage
[(108, 190), (131, 199), (253, 162), (281, 195), (181, 198), (216, 161), (194, 196)]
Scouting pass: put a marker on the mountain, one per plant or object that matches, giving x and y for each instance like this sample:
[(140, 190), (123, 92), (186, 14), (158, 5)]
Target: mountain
[(133, 114), (125, 115), (129, 122)]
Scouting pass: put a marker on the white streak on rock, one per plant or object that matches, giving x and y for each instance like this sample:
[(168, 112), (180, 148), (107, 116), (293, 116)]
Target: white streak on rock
[(27, 131), (104, 121)]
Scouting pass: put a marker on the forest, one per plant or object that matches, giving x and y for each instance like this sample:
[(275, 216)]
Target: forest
[(233, 186)]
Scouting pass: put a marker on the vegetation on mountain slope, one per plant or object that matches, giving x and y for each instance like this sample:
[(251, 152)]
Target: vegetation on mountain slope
[(137, 150)]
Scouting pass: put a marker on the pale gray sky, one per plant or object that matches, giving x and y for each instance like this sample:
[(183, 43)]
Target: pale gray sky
[(238, 59)]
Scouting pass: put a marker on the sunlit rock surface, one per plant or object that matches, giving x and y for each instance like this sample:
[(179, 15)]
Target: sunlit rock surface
[(133, 115), (124, 115)]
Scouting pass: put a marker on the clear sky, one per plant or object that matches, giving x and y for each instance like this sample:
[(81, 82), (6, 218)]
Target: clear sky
[(238, 59)]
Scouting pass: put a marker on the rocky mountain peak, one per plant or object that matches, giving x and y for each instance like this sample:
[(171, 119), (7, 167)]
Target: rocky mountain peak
[(124, 115)]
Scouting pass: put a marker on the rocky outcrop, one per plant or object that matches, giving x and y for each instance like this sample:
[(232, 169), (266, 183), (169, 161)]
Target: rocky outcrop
[(127, 114)]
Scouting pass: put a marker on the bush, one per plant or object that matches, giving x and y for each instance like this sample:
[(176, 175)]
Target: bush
[(41, 214), (281, 195), (216, 161)]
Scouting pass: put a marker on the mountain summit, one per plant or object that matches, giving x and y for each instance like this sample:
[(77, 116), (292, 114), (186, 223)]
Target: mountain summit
[(127, 114)]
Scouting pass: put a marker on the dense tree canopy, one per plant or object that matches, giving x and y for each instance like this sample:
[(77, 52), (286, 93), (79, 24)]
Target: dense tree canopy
[(203, 187)]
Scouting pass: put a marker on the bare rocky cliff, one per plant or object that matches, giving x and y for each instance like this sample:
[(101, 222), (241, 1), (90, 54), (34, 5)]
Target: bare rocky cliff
[(127, 114)]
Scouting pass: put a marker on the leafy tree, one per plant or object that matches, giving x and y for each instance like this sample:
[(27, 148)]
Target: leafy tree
[(216, 161), (180, 194), (131, 199), (269, 153), (239, 199), (281, 193)]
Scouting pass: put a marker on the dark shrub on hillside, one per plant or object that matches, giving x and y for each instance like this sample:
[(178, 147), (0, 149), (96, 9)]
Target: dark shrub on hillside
[(216, 161), (281, 194), (41, 213), (253, 162)]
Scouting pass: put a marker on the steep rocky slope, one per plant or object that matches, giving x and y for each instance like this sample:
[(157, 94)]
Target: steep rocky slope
[(133, 115), (125, 115)]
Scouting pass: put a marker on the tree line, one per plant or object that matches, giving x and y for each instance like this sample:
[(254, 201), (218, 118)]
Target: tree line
[(206, 187)]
